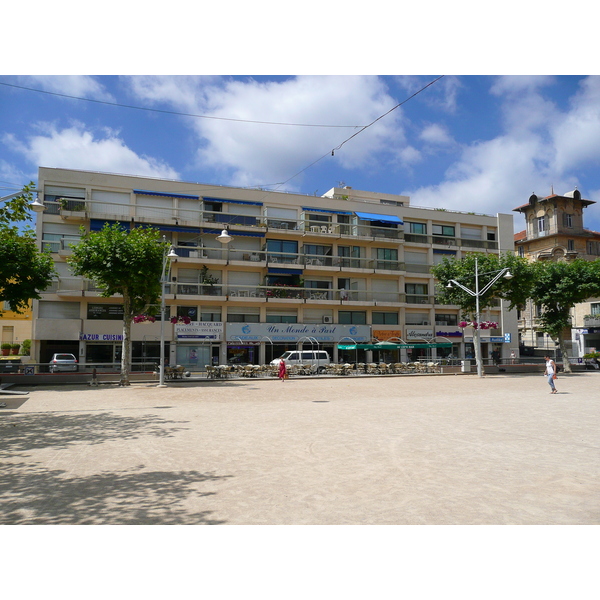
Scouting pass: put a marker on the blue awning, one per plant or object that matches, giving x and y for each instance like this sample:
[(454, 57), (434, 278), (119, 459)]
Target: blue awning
[(98, 224), (234, 234), (376, 217), (206, 199), (323, 210), (275, 271), (166, 194)]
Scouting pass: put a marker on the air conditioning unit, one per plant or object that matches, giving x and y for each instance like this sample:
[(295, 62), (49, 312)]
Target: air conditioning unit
[(327, 319)]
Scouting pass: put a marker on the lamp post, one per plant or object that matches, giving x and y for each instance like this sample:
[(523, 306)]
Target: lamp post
[(36, 205), (477, 294), (167, 255)]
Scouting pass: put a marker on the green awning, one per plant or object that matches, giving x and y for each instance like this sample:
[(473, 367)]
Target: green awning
[(393, 346)]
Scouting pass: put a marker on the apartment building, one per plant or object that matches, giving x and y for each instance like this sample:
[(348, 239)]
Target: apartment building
[(349, 267), (555, 231)]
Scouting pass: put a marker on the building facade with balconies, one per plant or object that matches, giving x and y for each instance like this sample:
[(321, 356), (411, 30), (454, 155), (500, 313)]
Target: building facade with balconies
[(347, 267), (555, 231)]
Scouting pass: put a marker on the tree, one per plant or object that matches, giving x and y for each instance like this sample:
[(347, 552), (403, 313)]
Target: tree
[(123, 262), (488, 266), (557, 287), (24, 270)]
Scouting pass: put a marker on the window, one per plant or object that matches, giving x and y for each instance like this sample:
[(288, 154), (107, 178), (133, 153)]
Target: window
[(105, 312), (58, 310), (208, 316), (571, 245), (352, 317), (594, 248), (416, 293), (567, 220), (420, 228), (470, 233), (387, 258), (446, 319), (541, 224), (521, 251), (243, 317), (416, 318), (595, 309), (446, 230), (188, 311), (385, 318), (491, 236), (277, 316), (277, 250)]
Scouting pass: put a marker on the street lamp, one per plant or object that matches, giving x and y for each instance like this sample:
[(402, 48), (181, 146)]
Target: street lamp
[(167, 255), (477, 294), (36, 205)]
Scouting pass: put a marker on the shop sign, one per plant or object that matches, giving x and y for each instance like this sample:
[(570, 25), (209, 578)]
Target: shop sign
[(449, 333), (197, 330), (101, 337), (419, 334), (497, 339), (296, 332), (386, 334)]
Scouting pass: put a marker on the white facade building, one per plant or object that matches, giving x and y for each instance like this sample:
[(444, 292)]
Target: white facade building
[(348, 267)]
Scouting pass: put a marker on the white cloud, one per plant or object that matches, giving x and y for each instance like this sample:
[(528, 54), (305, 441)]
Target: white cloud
[(77, 148), (252, 154), (82, 86), (436, 134), (577, 136)]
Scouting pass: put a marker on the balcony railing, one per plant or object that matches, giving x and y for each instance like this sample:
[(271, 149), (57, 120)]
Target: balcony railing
[(288, 258)]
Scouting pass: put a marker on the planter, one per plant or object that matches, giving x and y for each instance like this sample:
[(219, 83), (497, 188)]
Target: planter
[(15, 351), (5, 351)]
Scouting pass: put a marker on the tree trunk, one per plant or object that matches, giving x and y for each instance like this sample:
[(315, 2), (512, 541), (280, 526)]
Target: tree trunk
[(126, 345), (563, 349)]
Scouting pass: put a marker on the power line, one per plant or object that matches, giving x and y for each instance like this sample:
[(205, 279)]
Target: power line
[(173, 112), (332, 152)]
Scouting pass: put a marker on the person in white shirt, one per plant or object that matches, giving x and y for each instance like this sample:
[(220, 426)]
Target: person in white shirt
[(550, 373)]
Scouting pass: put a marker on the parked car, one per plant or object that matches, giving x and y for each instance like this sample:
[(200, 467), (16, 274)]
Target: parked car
[(63, 362), (317, 358), (10, 364)]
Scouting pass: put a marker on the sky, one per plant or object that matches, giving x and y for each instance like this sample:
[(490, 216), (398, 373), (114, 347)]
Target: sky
[(477, 143)]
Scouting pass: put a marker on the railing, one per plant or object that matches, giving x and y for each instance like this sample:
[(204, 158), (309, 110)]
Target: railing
[(591, 321), (416, 238), (61, 245)]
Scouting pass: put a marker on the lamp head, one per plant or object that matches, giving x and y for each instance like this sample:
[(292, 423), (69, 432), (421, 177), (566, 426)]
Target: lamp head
[(172, 253), (450, 285), (37, 206), (224, 238), (508, 275)]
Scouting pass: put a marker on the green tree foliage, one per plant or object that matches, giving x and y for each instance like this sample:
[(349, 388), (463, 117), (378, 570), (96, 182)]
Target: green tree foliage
[(123, 262), (557, 287), (515, 291), (24, 270)]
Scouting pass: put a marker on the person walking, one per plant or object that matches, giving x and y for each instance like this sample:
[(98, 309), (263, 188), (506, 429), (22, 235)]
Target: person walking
[(282, 370), (550, 373)]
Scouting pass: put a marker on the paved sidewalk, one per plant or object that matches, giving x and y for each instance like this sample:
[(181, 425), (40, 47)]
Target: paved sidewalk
[(397, 450)]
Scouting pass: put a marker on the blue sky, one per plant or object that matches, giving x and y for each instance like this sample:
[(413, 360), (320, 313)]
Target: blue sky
[(475, 143), (470, 141)]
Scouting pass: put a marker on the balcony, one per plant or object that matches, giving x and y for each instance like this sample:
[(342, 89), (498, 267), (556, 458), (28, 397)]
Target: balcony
[(591, 321)]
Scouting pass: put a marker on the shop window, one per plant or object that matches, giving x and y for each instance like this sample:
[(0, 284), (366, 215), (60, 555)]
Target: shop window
[(188, 311), (105, 312)]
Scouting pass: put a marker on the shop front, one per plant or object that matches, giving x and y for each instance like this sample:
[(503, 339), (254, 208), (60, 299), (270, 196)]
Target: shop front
[(273, 339), (198, 344)]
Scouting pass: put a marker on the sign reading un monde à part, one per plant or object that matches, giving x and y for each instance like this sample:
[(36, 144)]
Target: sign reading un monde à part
[(296, 332)]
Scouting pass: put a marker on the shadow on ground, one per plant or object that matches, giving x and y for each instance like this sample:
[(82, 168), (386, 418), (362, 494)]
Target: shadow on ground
[(33, 496), (30, 494), (20, 433)]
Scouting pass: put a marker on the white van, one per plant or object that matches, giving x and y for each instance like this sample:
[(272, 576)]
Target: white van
[(318, 358)]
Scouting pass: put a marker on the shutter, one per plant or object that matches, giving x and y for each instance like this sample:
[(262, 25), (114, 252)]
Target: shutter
[(111, 203), (58, 310)]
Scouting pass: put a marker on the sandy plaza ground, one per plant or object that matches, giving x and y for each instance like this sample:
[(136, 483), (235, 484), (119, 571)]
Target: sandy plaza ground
[(407, 450)]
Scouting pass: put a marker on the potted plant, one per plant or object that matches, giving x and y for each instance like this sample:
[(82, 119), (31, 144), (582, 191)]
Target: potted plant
[(26, 347), (15, 348), (5, 348)]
